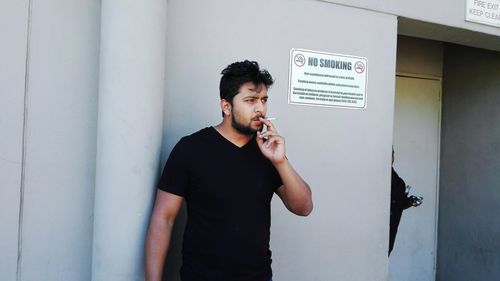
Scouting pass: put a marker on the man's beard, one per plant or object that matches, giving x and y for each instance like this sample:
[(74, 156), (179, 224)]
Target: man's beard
[(242, 128)]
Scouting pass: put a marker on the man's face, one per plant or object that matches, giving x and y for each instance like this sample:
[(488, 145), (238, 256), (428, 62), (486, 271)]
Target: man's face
[(248, 105)]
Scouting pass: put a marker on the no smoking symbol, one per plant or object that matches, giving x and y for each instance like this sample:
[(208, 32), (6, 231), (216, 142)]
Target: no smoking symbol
[(359, 67), (299, 60)]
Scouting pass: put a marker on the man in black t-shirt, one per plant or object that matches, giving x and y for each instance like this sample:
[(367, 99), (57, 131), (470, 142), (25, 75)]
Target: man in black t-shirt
[(227, 174)]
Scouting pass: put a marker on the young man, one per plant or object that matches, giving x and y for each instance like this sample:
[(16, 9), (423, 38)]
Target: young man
[(227, 174)]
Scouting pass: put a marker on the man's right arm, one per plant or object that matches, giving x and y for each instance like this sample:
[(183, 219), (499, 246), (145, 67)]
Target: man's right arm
[(166, 208)]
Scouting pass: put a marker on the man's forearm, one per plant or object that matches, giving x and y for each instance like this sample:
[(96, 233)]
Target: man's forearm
[(295, 193), (157, 242)]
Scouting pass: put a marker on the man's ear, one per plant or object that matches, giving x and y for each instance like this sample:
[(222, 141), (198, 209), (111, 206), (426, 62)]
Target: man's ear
[(225, 106)]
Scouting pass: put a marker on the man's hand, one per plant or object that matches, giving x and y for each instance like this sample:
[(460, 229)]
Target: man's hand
[(271, 144), (416, 200)]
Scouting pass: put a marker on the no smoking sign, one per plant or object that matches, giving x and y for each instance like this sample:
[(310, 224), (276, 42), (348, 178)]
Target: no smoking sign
[(327, 79)]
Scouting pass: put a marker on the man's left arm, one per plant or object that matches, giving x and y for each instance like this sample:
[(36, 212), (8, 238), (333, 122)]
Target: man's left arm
[(295, 192)]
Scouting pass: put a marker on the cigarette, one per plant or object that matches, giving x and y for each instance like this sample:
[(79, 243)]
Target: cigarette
[(271, 118)]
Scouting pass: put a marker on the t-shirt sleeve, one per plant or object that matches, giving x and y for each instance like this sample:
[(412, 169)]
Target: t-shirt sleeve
[(174, 178)]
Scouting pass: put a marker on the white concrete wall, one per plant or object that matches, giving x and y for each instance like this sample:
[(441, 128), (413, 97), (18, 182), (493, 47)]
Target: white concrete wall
[(343, 154), (60, 140), (13, 31), (444, 12), (436, 20), (61, 95), (129, 133)]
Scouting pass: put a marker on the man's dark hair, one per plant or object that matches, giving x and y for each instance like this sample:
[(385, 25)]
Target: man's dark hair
[(239, 73)]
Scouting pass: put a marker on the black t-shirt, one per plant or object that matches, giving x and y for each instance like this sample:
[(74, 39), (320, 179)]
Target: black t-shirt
[(228, 191), (399, 199)]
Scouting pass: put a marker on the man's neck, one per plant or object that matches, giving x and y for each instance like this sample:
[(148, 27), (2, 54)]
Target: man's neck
[(231, 134)]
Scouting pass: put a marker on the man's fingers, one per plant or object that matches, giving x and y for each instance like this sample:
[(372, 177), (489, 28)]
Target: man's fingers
[(268, 134), (271, 140), (270, 126)]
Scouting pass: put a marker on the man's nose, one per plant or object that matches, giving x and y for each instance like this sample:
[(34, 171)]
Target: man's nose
[(259, 106)]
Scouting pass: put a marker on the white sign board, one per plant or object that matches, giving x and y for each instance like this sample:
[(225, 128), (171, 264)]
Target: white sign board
[(326, 79), (483, 11)]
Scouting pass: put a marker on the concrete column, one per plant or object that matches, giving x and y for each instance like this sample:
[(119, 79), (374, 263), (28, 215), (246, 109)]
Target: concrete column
[(131, 90)]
